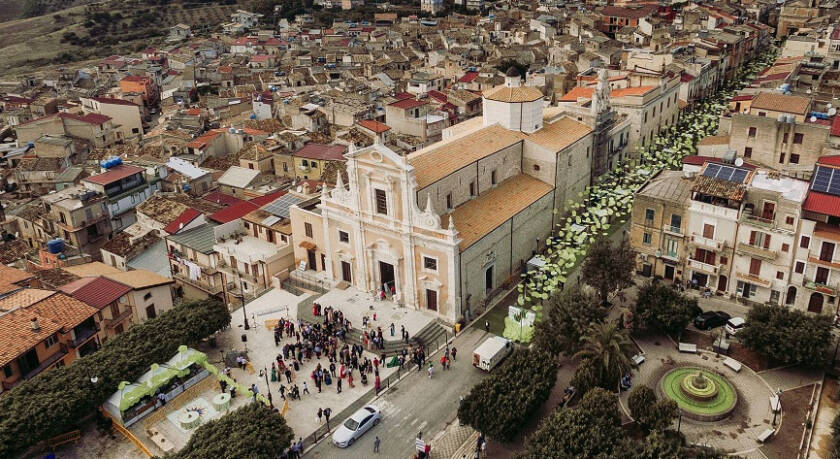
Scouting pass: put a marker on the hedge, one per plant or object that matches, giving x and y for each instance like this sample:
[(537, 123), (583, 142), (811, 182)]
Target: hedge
[(55, 401), (500, 405), (253, 431)]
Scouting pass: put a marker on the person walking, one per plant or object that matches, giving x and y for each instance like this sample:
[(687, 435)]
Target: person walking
[(392, 330), (376, 445), (487, 326), (338, 385), (454, 351), (305, 388), (288, 374), (431, 369), (327, 413), (320, 413)]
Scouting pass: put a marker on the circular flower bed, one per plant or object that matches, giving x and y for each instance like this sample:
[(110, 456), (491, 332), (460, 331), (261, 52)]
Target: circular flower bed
[(701, 394)]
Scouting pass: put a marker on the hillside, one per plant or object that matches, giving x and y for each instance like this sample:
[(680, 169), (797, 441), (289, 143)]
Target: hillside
[(98, 30)]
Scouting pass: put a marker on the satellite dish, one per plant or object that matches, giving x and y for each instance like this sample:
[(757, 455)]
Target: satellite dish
[(299, 189), (739, 162), (813, 118), (832, 111)]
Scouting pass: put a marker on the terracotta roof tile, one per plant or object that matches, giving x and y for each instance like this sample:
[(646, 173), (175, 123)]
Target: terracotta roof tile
[(781, 103), (115, 173), (514, 95), (100, 292)]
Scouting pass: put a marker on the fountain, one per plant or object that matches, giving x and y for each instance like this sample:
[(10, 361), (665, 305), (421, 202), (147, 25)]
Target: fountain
[(700, 394)]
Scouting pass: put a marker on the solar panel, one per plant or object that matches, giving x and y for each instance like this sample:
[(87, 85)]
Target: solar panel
[(826, 180), (268, 221), (280, 206), (732, 174)]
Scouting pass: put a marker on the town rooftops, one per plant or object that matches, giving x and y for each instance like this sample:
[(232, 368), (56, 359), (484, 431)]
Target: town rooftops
[(480, 216), (781, 103), (670, 186), (631, 13), (322, 152), (13, 275), (98, 292), (407, 104), (238, 177), (93, 269), (185, 218), (221, 198), (139, 279), (242, 208), (374, 126), (114, 174)]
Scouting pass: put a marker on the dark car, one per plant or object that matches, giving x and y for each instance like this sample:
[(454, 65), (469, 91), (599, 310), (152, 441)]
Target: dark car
[(711, 319)]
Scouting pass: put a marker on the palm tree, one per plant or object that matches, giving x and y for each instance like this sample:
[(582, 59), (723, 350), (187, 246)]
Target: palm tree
[(608, 347)]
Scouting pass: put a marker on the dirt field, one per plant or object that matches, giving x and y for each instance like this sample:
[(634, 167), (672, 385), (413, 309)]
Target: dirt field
[(785, 444)]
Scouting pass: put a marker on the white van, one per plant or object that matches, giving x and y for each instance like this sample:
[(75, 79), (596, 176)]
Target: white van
[(491, 352), (734, 325)]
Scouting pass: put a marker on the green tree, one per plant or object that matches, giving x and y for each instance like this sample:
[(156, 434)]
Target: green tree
[(251, 431), (506, 64), (661, 308), (566, 318), (608, 268), (592, 429), (608, 347), (787, 336), (501, 404), (54, 402), (650, 413)]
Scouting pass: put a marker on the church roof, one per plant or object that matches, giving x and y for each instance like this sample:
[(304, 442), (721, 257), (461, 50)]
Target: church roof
[(514, 95)]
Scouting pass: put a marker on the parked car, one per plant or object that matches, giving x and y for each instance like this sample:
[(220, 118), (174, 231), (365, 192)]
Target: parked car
[(356, 425), (491, 352), (734, 325), (711, 319)]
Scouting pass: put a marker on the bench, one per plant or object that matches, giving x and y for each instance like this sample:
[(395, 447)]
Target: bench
[(765, 435), (158, 439), (638, 359), (733, 364), (688, 347)]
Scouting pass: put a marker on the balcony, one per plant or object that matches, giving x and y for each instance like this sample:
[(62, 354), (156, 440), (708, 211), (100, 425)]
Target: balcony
[(62, 351), (704, 242), (821, 262), (673, 230), (83, 334), (714, 210), (701, 266), (752, 278), (113, 322), (818, 287), (755, 252), (213, 289), (755, 220), (233, 275)]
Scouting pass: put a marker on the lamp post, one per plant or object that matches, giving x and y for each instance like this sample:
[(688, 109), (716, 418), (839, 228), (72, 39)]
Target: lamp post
[(267, 387)]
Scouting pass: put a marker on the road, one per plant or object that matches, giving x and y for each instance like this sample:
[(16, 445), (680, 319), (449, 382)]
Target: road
[(416, 404)]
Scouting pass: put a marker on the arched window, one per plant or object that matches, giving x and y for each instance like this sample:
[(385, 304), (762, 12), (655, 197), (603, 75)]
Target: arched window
[(791, 295)]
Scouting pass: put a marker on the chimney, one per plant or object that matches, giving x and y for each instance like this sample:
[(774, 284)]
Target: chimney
[(33, 324)]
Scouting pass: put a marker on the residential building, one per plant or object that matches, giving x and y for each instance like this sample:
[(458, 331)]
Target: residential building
[(416, 118), (43, 329), (125, 115), (80, 217), (110, 300), (124, 187), (314, 161), (192, 261), (432, 7)]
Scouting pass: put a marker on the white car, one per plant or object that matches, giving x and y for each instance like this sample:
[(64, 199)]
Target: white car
[(734, 325), (356, 425)]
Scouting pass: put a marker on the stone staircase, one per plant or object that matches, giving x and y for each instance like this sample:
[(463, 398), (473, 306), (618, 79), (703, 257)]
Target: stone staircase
[(432, 335)]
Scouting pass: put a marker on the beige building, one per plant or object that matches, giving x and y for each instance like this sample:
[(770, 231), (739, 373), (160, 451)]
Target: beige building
[(447, 227), (125, 115)]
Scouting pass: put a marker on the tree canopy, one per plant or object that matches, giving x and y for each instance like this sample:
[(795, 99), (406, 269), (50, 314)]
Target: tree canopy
[(251, 431), (605, 356), (650, 413), (566, 318), (54, 402), (787, 336), (661, 308), (608, 268), (500, 405)]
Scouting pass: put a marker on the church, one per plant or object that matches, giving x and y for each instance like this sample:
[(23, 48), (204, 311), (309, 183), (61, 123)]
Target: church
[(450, 225)]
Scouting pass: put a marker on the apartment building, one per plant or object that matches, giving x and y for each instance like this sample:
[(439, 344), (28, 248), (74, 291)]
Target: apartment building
[(43, 329), (80, 217), (415, 117), (192, 261), (124, 187), (110, 300), (126, 115), (99, 131)]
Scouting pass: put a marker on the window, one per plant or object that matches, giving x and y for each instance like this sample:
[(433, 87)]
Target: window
[(755, 266), (472, 188), (430, 263), (250, 165), (537, 166), (343, 237), (493, 177), (751, 132), (724, 260), (448, 200), (381, 201), (51, 340), (285, 167), (247, 225), (313, 164), (762, 113), (646, 238), (704, 256), (307, 229), (676, 221), (785, 247), (115, 310), (671, 247), (645, 118), (759, 239), (147, 296), (708, 231), (804, 242), (785, 138), (649, 214), (747, 152), (780, 275), (304, 163), (150, 312), (799, 267), (794, 158), (7, 371), (789, 220), (797, 138), (782, 158)]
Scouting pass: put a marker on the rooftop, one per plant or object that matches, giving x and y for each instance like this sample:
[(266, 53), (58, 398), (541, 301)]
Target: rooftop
[(781, 103), (514, 95), (200, 238), (98, 292), (322, 152), (140, 278), (114, 174), (485, 213), (671, 186)]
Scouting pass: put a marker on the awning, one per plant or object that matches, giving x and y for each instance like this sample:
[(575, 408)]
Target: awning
[(307, 245)]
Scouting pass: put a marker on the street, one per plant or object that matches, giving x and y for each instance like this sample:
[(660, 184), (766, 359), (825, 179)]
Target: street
[(416, 404)]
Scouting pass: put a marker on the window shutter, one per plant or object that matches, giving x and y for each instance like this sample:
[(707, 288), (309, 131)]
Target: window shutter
[(766, 241), (752, 237)]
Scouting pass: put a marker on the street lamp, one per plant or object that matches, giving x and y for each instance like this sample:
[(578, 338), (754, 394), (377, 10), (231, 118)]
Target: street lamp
[(267, 387), (778, 406)]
